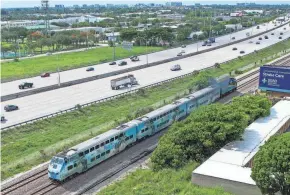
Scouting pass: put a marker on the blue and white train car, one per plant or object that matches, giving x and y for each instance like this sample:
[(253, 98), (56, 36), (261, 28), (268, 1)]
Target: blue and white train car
[(91, 152)]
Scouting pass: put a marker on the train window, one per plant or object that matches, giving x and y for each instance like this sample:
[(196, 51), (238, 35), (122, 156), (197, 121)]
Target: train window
[(142, 131), (116, 137), (92, 149), (81, 154), (102, 144), (112, 139), (131, 136), (103, 154), (97, 146), (75, 165), (97, 157), (92, 159), (127, 138), (108, 141), (122, 134), (108, 151), (69, 167), (87, 151)]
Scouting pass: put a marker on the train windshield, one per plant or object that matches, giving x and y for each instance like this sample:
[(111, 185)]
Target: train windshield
[(56, 160)]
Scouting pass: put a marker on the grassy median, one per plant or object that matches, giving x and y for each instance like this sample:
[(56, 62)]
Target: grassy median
[(36, 66), (29, 145), (168, 181)]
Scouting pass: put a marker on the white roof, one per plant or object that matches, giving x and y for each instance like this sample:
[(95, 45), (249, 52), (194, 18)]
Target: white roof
[(228, 163)]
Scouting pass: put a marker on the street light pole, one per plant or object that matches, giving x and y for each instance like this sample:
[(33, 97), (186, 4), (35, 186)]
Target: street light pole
[(146, 53), (114, 49)]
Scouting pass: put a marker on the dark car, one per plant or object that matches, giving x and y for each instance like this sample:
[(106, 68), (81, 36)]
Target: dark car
[(132, 57), (183, 46), (241, 52), (3, 119), (9, 108), (258, 27), (260, 38), (266, 37), (209, 44), (25, 85), (179, 54), (272, 33), (112, 63), (135, 59), (90, 69), (46, 74), (284, 28), (281, 33), (258, 42), (233, 38), (235, 48), (280, 37), (122, 63)]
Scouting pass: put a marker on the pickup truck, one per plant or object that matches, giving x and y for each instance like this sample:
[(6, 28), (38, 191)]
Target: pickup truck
[(25, 85)]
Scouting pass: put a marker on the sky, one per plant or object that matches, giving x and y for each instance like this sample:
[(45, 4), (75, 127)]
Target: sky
[(32, 3)]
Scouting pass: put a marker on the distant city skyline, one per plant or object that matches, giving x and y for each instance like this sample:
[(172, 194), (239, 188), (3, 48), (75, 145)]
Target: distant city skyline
[(32, 3)]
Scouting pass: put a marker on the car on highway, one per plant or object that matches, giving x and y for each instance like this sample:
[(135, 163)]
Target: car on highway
[(30, 55), (182, 51), (272, 33), (235, 48), (25, 85), (183, 46), (233, 38), (122, 63), (258, 27), (209, 44), (260, 38), (90, 69), (204, 43), (112, 63), (48, 54), (134, 58), (250, 41), (179, 54), (10, 107), (175, 67), (266, 37), (281, 33), (3, 118), (242, 52), (280, 37), (45, 74), (284, 28), (258, 42)]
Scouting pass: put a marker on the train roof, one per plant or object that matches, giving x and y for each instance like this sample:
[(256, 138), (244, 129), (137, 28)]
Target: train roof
[(201, 92), (230, 161)]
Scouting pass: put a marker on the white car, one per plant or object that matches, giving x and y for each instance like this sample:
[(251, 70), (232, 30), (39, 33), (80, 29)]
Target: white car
[(175, 67), (48, 54), (182, 51)]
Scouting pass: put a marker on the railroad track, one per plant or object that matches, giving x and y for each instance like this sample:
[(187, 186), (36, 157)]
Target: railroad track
[(48, 186)]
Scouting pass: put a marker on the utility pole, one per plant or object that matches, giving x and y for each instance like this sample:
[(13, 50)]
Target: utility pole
[(114, 49)]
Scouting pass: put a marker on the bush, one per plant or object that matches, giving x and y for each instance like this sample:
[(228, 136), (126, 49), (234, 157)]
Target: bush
[(206, 130), (16, 59), (239, 72)]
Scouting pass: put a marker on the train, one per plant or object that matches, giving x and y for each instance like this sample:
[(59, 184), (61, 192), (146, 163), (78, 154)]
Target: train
[(85, 155)]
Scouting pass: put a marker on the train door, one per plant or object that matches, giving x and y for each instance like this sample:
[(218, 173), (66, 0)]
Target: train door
[(84, 163)]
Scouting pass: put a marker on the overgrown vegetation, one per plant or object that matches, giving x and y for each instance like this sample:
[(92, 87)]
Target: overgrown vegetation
[(21, 147), (38, 65), (164, 182), (271, 169), (206, 130)]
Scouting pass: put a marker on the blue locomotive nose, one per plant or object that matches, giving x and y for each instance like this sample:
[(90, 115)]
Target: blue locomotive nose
[(53, 176)]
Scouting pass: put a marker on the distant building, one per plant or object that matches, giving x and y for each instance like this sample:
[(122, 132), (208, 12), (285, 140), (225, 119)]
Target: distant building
[(18, 23), (59, 6), (76, 6), (234, 26), (174, 4), (254, 11), (110, 5), (112, 36), (85, 5), (236, 14)]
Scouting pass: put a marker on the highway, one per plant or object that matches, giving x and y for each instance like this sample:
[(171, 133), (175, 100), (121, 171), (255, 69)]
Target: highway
[(52, 101), (70, 75)]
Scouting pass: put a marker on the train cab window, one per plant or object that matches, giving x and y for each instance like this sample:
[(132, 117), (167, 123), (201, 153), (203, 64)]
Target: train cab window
[(103, 154), (87, 151), (75, 165), (81, 154), (92, 149), (122, 134), (69, 167), (116, 137), (131, 136), (108, 151), (97, 147), (98, 156), (108, 141), (127, 138), (112, 139), (142, 131), (92, 159), (102, 144)]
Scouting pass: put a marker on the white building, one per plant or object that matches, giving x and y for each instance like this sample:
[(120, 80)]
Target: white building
[(86, 29), (234, 26), (256, 11), (112, 36), (230, 167), (19, 23)]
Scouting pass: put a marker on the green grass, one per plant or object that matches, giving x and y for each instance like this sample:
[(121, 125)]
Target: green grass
[(165, 182), (35, 66), (29, 145)]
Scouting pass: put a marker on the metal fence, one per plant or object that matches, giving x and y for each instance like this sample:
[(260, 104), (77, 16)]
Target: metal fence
[(115, 96)]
